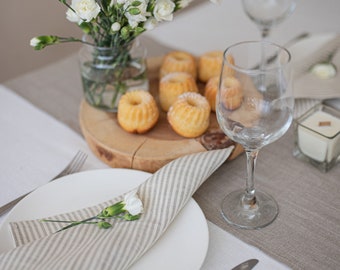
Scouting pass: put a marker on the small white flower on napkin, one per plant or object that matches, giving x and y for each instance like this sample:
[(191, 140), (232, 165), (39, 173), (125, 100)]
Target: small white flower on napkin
[(324, 70), (132, 203)]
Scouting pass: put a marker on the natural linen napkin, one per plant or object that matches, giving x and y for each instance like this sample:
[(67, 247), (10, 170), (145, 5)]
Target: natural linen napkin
[(306, 84), (87, 247)]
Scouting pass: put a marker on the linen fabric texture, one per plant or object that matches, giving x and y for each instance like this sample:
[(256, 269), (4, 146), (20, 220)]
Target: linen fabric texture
[(163, 195)]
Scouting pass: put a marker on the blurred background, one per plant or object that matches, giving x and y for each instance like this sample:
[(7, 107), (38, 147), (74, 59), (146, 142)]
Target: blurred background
[(221, 24)]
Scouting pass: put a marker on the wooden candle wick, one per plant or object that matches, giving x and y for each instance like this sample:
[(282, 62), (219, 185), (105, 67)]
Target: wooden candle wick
[(324, 123)]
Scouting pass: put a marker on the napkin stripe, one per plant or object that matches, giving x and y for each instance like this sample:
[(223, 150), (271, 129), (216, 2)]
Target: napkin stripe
[(86, 247)]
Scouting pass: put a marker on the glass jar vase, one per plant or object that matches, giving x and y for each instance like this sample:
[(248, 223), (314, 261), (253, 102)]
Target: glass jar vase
[(108, 73)]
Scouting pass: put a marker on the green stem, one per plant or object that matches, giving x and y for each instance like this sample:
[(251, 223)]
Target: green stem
[(77, 223)]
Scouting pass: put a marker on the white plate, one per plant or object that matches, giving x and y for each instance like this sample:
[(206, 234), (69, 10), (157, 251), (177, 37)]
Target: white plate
[(183, 246)]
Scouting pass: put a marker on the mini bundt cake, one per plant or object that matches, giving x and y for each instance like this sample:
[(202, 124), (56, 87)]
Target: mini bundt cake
[(231, 93), (209, 65), (174, 84), (210, 91), (189, 116), (137, 111), (178, 61)]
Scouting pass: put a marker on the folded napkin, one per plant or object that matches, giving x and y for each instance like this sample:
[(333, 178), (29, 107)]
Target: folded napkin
[(306, 84), (87, 247)]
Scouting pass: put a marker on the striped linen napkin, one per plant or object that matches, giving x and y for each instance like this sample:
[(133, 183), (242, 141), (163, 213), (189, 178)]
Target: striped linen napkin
[(163, 195)]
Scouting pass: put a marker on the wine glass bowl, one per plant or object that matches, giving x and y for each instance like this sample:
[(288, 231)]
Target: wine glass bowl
[(264, 114), (268, 13)]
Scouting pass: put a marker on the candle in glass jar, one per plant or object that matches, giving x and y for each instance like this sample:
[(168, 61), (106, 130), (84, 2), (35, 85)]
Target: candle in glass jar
[(319, 136)]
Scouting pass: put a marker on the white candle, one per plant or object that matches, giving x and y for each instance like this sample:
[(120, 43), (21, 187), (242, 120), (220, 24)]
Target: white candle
[(319, 136)]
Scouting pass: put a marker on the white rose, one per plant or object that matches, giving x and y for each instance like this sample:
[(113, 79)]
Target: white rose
[(163, 10), (34, 42), (86, 9), (115, 27), (150, 24), (72, 16), (132, 203), (134, 20)]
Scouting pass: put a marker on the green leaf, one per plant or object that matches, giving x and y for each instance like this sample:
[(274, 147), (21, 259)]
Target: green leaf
[(138, 30), (130, 217), (104, 225), (134, 11), (136, 3)]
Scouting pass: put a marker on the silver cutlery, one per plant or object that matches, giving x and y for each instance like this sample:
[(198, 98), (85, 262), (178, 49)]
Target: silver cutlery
[(296, 39), (74, 166), (247, 265), (287, 45)]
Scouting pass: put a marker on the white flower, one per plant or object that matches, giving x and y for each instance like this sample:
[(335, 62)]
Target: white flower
[(150, 24), (163, 10), (87, 10), (324, 70), (132, 203), (115, 27), (184, 3), (134, 20), (72, 16), (34, 41)]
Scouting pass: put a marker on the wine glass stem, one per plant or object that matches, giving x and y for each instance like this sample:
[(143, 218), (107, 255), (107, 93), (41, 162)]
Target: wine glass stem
[(249, 200), (265, 33)]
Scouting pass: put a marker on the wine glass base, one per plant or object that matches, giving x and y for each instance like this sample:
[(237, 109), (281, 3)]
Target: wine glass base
[(258, 216)]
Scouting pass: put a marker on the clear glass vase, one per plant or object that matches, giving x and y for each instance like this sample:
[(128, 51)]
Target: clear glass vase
[(108, 73)]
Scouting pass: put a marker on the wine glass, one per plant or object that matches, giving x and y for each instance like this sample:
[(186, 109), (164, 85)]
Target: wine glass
[(254, 108), (268, 13)]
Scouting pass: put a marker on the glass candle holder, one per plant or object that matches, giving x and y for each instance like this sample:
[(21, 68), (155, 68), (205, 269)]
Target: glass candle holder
[(317, 137)]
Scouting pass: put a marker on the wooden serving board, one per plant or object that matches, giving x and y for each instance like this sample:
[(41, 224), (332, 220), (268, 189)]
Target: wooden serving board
[(149, 151)]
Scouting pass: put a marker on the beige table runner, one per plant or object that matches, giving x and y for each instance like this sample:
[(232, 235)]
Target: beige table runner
[(306, 234)]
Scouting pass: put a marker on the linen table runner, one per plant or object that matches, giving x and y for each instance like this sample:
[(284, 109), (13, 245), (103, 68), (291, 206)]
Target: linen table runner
[(87, 247)]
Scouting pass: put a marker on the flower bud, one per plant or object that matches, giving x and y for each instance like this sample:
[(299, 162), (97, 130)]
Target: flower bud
[(86, 27), (34, 42), (125, 32), (42, 41), (112, 210), (115, 27)]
